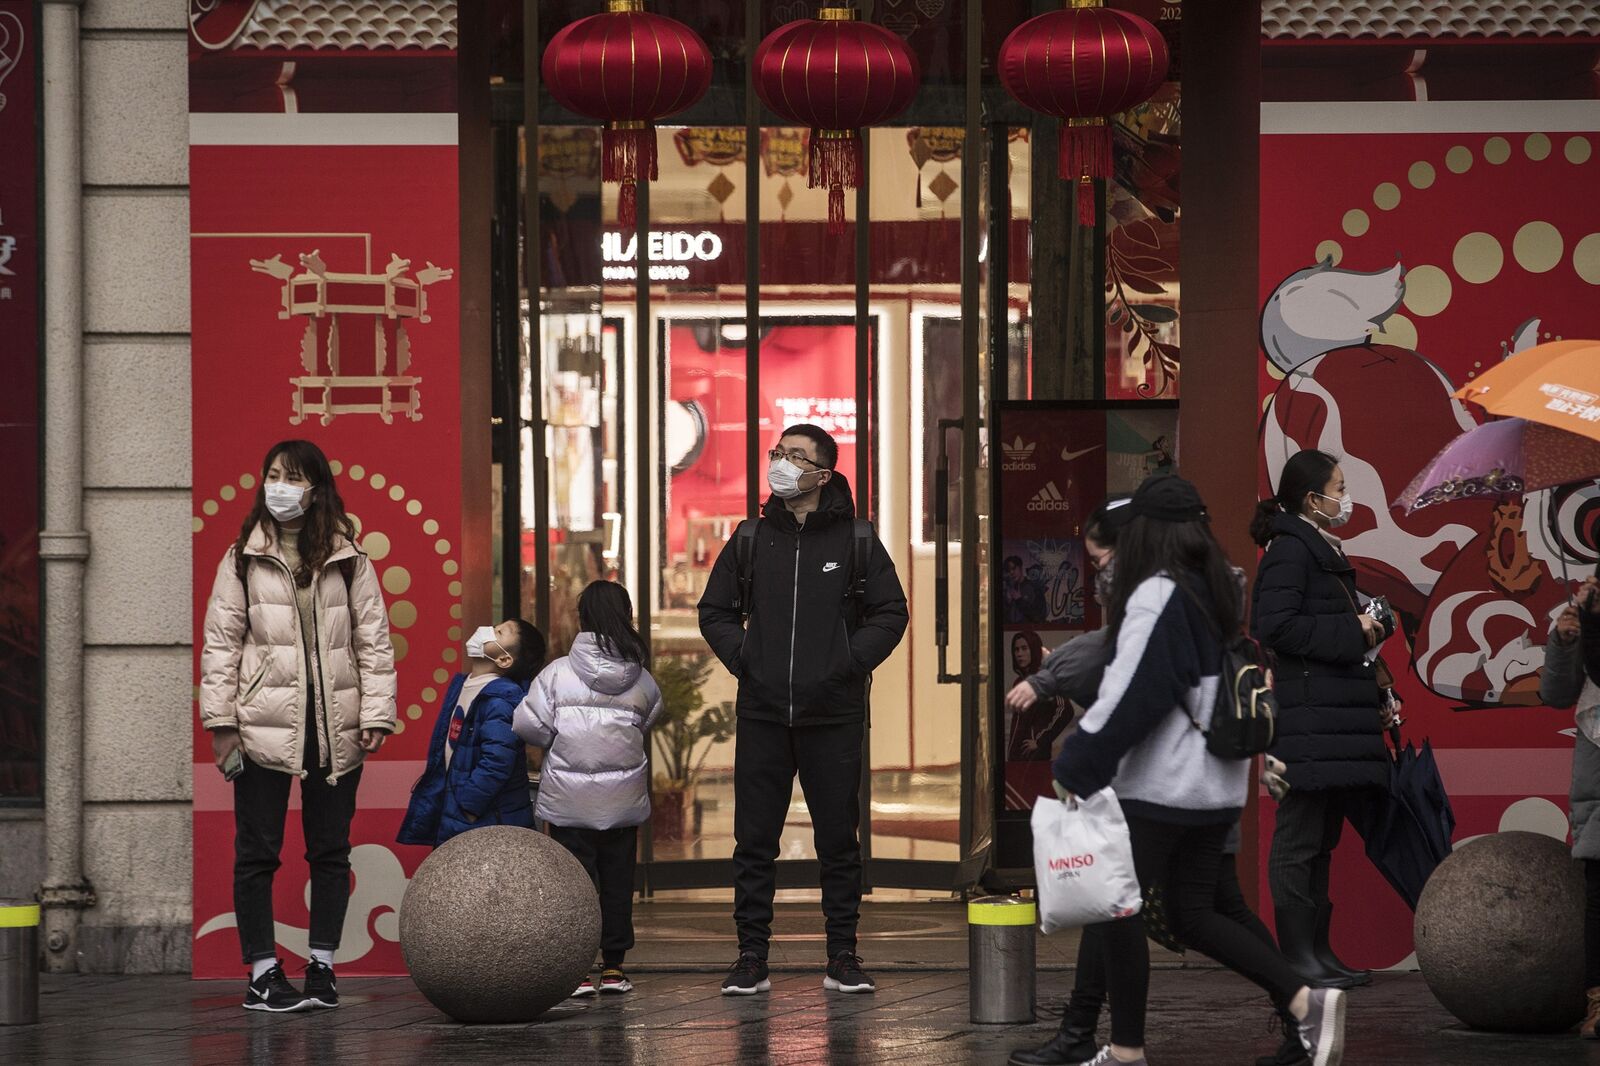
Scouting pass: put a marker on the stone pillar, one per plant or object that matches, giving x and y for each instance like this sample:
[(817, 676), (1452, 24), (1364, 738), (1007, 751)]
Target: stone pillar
[(63, 543)]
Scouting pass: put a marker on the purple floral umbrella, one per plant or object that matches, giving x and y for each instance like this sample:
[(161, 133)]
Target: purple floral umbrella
[(1506, 457)]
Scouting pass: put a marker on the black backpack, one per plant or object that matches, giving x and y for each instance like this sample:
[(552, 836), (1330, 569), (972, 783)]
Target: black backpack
[(744, 548), (1244, 720)]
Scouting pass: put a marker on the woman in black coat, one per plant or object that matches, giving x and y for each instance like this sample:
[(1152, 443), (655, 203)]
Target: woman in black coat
[(1329, 718)]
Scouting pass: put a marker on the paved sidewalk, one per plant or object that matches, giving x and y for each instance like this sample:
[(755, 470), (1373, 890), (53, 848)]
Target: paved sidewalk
[(1198, 1018)]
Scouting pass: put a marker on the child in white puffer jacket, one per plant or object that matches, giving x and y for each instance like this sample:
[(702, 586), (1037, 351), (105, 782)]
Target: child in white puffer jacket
[(593, 710)]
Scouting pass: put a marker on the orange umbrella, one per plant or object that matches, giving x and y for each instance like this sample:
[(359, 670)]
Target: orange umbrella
[(1557, 384)]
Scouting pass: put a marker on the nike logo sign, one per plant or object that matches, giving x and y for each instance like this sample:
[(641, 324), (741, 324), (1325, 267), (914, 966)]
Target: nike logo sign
[(1067, 456), (828, 568)]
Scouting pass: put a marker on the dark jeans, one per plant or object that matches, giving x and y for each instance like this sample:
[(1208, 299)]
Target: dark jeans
[(767, 755), (1591, 923), (1089, 980), (609, 856), (1307, 830), (1185, 860), (260, 804)]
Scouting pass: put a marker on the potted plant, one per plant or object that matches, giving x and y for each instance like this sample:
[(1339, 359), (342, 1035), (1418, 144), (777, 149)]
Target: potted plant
[(686, 723)]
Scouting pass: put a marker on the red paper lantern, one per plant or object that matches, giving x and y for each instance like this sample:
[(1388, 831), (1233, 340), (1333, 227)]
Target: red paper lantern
[(627, 68), (1083, 64), (835, 74)]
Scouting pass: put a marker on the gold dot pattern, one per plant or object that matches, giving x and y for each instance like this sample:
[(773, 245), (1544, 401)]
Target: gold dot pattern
[(454, 632), (1427, 290), (1421, 175), (455, 611), (1537, 247), (1537, 146), (1458, 160), (377, 481), (1497, 150), (402, 647), (1477, 258), (1386, 196), (430, 527), (413, 507), (376, 545), (396, 493), (396, 580), (414, 712), (451, 566), (402, 614), (210, 507), (1330, 251), (1577, 150), (247, 481), (228, 492), (1356, 222), (442, 546), (430, 695), (441, 676), (1586, 258)]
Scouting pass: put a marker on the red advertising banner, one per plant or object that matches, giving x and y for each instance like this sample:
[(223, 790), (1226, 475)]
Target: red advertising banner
[(1395, 268), (20, 265), (1057, 462)]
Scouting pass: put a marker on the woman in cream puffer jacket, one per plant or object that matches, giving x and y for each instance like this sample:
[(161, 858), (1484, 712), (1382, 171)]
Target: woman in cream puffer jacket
[(297, 677), (253, 676)]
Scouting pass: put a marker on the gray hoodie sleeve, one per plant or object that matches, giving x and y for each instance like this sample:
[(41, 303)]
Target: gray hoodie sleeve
[(1561, 680), (1074, 669)]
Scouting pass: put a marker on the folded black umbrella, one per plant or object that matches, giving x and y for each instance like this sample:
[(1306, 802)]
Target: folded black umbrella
[(1407, 827)]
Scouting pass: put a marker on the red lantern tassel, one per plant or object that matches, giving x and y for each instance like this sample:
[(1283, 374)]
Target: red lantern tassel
[(835, 163), (627, 155), (1085, 154)]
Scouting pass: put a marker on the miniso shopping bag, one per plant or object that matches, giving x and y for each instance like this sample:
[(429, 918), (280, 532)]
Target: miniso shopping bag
[(1083, 862)]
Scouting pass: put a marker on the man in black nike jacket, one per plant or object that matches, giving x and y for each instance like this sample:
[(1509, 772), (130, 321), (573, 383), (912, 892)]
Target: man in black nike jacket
[(803, 657)]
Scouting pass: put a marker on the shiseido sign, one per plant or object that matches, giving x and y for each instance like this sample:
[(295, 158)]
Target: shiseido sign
[(671, 253)]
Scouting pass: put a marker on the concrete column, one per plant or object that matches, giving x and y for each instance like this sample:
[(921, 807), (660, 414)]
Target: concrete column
[(64, 544)]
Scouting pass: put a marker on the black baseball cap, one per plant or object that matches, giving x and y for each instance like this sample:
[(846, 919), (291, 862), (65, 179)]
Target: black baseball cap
[(1169, 498)]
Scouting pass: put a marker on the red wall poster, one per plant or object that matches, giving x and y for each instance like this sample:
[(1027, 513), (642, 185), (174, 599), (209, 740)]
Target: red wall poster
[(325, 307), (1057, 463), (1395, 268)]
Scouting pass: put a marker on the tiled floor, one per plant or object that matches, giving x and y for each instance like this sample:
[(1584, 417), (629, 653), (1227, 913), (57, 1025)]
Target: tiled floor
[(1198, 1018)]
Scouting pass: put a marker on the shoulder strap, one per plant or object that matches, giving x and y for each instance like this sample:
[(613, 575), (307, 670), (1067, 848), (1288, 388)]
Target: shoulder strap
[(241, 566), (744, 553), (347, 570), (860, 554)]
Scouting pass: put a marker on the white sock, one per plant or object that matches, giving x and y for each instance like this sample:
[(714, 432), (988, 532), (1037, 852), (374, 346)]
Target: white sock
[(260, 967), (322, 955)]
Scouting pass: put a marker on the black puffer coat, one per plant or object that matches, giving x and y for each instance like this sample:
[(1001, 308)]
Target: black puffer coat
[(1329, 728)]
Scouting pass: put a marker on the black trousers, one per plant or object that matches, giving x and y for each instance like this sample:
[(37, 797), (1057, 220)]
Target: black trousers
[(1186, 861), (767, 756), (1591, 923), (1089, 980), (260, 804), (609, 856), (1308, 828)]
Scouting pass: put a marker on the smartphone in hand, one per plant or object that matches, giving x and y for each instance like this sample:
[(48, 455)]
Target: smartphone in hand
[(233, 765)]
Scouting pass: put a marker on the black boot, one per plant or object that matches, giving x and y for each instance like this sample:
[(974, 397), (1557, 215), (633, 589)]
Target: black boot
[(1297, 931), (1291, 1052), (1324, 951), (1074, 1043)]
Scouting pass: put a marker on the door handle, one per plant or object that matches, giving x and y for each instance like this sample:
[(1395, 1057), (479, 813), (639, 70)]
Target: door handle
[(941, 549)]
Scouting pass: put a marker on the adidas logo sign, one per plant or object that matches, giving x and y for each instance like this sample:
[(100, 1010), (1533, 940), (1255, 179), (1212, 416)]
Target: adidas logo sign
[(1048, 499), (1019, 455)]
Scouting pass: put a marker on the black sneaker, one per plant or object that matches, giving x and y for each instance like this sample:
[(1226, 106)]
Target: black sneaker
[(273, 992), (845, 975), (321, 989), (747, 977)]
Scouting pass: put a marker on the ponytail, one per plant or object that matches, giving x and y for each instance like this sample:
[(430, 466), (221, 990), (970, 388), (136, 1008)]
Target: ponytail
[(1261, 521)]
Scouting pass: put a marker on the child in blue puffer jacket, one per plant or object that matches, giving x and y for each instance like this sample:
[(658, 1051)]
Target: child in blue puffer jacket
[(477, 769)]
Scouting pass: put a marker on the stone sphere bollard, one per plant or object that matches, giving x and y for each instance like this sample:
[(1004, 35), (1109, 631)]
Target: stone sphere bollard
[(499, 925), (1499, 934)]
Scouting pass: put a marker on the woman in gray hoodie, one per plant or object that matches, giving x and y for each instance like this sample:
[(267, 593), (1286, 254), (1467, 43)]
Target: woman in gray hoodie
[(593, 710)]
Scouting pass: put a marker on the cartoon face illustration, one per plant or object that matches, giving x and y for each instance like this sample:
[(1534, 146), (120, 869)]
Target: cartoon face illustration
[(1321, 308)]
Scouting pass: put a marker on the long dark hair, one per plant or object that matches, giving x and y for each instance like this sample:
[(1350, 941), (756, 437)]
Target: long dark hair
[(1306, 472), (1185, 551), (326, 521), (606, 610)]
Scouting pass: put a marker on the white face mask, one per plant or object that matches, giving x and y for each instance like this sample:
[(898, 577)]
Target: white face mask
[(286, 502), (1346, 507), (475, 643), (784, 478)]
